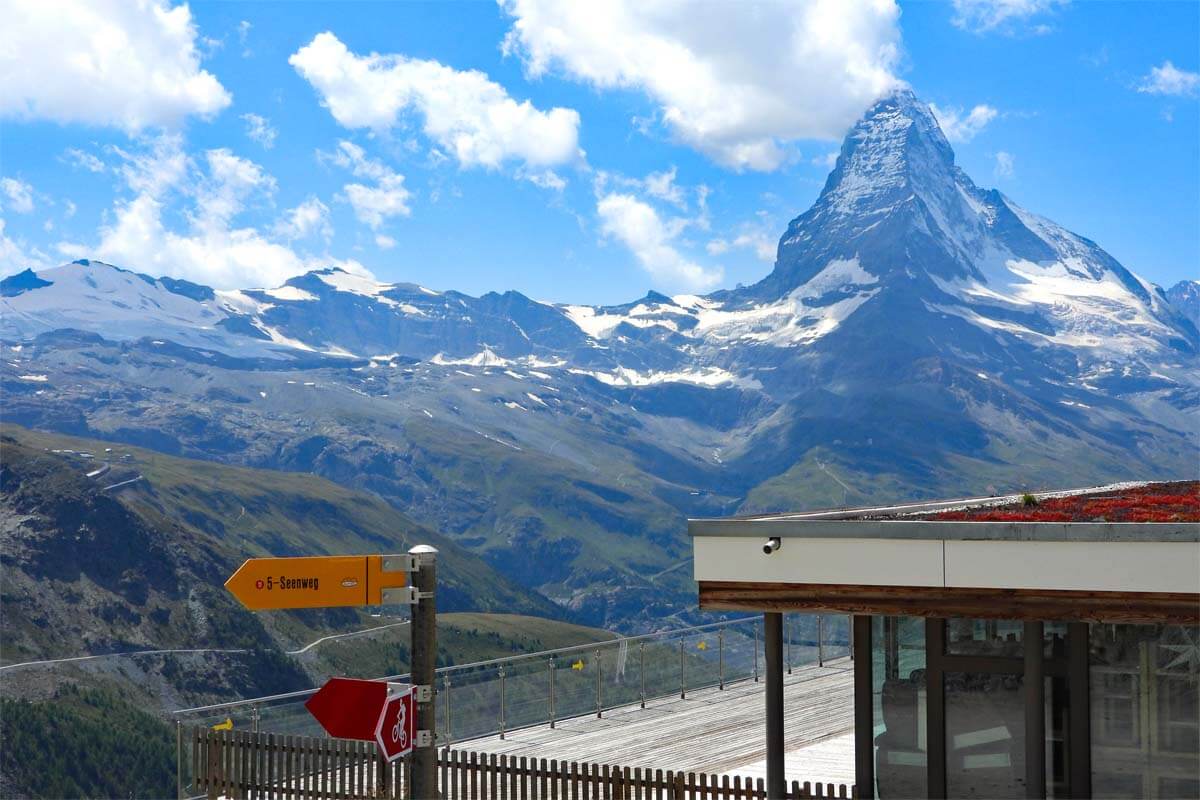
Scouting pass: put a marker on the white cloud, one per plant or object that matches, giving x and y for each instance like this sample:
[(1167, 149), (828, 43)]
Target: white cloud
[(83, 160), (16, 256), (546, 179), (984, 16), (259, 129), (736, 81), (243, 33), (384, 242), (208, 195), (639, 227), (19, 194), (662, 185), (1004, 165), (157, 169), (829, 160), (960, 127), (231, 181), (69, 209), (759, 241), (659, 185), (311, 216), (463, 112), (115, 63), (372, 204), (1170, 80)]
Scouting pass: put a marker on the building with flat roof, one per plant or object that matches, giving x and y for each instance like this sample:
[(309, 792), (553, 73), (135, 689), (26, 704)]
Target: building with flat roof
[(1039, 646)]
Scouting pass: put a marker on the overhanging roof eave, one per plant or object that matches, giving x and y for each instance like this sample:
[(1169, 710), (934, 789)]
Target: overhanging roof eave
[(834, 528)]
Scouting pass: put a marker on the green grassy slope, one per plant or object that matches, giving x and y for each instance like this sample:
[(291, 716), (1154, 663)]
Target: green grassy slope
[(212, 517)]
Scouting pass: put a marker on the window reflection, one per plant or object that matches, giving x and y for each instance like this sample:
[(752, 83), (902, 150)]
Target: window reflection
[(984, 637), (985, 735), (898, 694), (1145, 711)]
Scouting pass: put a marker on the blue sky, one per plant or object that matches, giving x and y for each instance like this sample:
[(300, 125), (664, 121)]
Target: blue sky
[(574, 159)]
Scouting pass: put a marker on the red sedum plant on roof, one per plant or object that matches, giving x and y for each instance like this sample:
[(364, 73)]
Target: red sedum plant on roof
[(1155, 502)]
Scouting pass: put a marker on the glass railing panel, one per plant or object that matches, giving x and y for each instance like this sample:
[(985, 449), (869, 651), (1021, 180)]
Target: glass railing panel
[(662, 668), (740, 643), (526, 693), (474, 699), (701, 658), (837, 628), (575, 683)]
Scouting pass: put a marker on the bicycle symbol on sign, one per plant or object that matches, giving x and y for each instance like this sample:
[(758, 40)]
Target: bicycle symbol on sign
[(400, 729)]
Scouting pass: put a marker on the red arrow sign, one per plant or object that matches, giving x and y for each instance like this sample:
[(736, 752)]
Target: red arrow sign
[(397, 726), (348, 708)]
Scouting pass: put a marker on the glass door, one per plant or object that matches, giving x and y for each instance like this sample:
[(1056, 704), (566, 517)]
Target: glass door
[(962, 708), (1004, 715)]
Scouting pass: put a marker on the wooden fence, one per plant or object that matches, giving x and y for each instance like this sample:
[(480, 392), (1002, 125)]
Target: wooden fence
[(247, 766)]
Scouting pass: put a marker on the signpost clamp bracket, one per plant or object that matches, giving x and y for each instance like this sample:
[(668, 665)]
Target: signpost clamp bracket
[(422, 693), (399, 562), (423, 739), (405, 595)]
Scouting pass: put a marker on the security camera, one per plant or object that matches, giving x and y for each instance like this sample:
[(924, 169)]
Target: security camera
[(771, 545)]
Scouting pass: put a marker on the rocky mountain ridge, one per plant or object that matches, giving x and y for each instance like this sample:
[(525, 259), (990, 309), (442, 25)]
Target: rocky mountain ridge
[(918, 336)]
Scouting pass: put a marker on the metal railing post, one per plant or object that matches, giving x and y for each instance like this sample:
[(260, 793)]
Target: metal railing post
[(551, 691), (682, 677), (787, 633), (501, 702), (721, 659), (642, 655), (449, 726), (255, 716), (599, 685), (820, 638), (178, 760), (755, 651)]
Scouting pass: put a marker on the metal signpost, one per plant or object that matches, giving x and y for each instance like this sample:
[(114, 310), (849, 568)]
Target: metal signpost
[(424, 661), (399, 718)]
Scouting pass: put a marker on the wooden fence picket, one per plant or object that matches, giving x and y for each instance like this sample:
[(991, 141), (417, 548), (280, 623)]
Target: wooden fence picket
[(244, 765)]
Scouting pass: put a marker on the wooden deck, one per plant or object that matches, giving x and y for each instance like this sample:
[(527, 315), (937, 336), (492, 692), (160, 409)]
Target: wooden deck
[(712, 730)]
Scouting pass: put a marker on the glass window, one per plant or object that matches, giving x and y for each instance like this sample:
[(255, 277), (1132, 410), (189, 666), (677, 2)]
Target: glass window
[(984, 637), (1145, 710), (985, 735), (898, 674)]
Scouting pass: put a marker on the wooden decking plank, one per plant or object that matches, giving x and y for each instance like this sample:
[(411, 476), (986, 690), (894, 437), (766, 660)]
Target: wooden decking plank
[(711, 730)]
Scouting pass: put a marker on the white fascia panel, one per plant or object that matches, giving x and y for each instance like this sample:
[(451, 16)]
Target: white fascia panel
[(866, 562), (1082, 566)]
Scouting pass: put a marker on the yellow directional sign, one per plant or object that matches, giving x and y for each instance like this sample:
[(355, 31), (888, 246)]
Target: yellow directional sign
[(578, 665), (227, 725), (317, 581)]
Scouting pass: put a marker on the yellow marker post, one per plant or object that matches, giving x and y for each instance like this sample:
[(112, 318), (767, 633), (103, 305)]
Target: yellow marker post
[(263, 584)]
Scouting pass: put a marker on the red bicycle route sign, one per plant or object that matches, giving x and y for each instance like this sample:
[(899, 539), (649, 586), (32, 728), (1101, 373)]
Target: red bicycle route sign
[(386, 713), (396, 731)]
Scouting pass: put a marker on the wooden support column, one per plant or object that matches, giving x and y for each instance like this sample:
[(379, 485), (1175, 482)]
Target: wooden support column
[(773, 651)]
